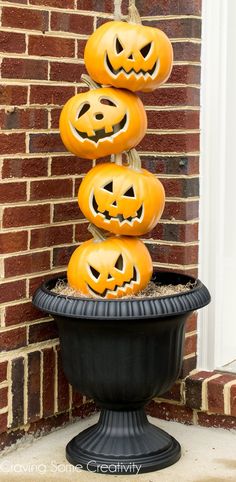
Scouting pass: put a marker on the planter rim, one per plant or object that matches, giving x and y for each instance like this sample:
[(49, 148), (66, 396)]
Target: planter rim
[(123, 308)]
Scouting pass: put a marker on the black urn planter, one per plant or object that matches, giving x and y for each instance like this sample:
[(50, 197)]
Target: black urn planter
[(122, 353)]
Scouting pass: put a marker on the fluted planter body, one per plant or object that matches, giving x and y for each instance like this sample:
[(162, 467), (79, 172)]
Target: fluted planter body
[(122, 353)]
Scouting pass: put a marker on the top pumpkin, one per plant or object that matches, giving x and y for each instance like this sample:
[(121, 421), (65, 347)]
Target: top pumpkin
[(128, 55)]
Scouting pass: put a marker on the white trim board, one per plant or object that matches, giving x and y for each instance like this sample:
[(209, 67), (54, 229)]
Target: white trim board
[(217, 335)]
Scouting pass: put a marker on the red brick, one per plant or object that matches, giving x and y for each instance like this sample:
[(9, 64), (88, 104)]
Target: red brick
[(97, 5), (171, 165), (12, 143), (177, 28), (167, 7), (13, 192), (174, 232), (21, 313), (66, 212), (26, 215), (163, 253), (182, 119), (52, 236), (9, 438), (190, 345), (81, 232), (187, 51), (185, 74), (189, 364), (13, 95), (46, 143), (167, 411), (24, 69), (178, 96), (44, 426), (80, 48), (51, 189), (191, 323), (174, 393), (17, 388), (53, 3), (53, 95), (35, 282), (70, 166), (35, 167), (84, 410), (184, 211), (61, 256), (12, 42), (3, 397), (3, 371), (170, 142), (42, 331), (77, 398), (217, 421), (25, 18), (13, 241), (181, 187), (66, 72), (72, 23), (48, 381), (24, 119), (14, 290), (3, 422), (233, 400), (77, 185), (12, 339), (215, 389), (33, 386), (63, 386), (51, 46), (27, 263), (193, 388)]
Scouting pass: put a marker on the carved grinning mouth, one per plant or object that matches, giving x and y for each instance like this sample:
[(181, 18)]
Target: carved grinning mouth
[(119, 217), (141, 73), (123, 287), (100, 134)]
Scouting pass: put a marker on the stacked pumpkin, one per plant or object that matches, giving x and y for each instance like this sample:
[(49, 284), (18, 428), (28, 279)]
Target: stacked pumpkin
[(121, 201)]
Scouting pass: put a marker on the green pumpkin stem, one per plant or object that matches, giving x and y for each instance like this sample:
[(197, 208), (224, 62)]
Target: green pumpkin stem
[(96, 232), (89, 82), (134, 159), (133, 16)]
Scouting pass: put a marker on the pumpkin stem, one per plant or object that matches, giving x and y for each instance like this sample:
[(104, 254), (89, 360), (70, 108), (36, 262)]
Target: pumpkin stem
[(96, 232), (118, 159), (89, 82), (133, 16), (134, 159)]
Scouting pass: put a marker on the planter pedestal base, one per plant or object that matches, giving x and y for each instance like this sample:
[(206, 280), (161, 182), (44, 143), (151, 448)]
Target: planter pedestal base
[(123, 442)]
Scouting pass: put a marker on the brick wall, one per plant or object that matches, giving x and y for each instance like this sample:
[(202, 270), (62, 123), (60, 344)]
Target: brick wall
[(42, 42)]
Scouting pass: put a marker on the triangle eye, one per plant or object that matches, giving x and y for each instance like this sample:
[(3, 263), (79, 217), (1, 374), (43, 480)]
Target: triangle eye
[(119, 47), (119, 263), (146, 49), (108, 187), (129, 193), (94, 272), (84, 109)]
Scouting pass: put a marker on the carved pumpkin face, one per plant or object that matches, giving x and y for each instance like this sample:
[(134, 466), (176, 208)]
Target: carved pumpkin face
[(121, 200), (128, 55), (111, 268), (101, 122)]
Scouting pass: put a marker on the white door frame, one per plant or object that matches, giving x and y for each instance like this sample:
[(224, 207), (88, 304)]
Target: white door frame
[(218, 32)]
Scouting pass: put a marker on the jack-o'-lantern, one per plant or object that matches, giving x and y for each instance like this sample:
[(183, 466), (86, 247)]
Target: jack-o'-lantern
[(122, 199), (129, 55), (101, 122), (109, 267)]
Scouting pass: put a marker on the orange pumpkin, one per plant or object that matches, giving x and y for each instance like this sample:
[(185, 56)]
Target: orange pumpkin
[(123, 200), (129, 55), (101, 122), (109, 267)]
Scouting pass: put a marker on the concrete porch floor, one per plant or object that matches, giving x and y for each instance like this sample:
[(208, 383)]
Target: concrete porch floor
[(208, 455)]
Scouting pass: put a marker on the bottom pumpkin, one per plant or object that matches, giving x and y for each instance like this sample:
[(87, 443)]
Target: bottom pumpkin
[(109, 267)]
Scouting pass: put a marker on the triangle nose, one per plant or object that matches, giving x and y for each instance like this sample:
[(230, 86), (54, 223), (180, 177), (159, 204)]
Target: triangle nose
[(114, 204), (131, 57)]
